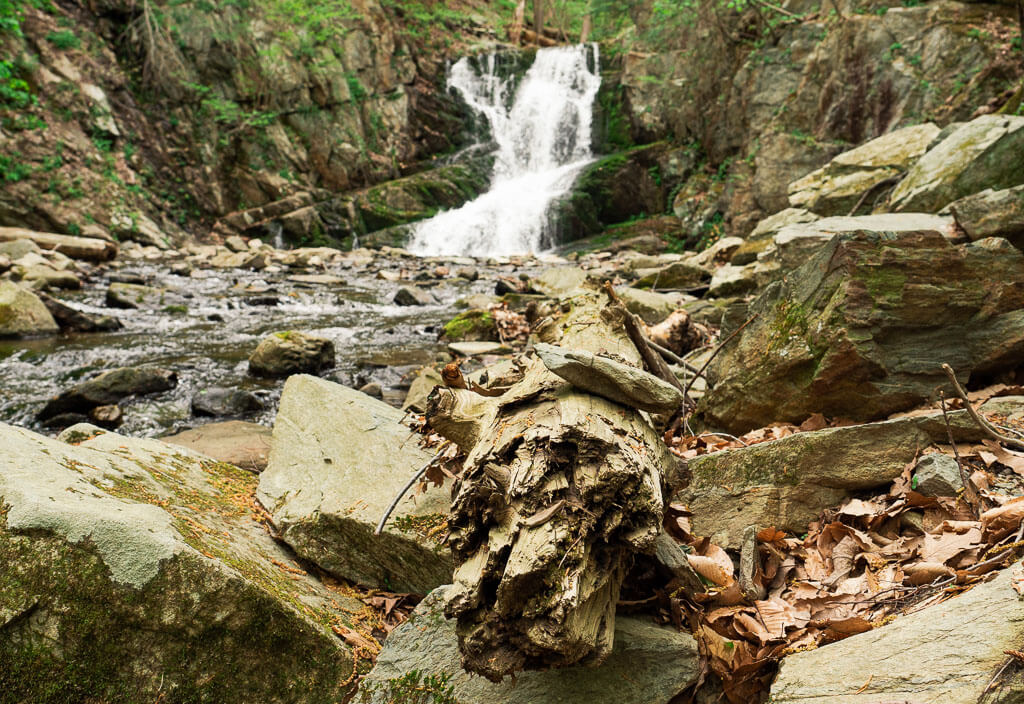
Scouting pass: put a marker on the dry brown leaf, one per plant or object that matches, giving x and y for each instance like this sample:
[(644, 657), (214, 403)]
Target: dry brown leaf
[(711, 570), (920, 573), (815, 422), (1003, 518), (1013, 460)]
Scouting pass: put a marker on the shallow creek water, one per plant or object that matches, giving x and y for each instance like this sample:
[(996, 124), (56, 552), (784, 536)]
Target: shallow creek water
[(227, 313)]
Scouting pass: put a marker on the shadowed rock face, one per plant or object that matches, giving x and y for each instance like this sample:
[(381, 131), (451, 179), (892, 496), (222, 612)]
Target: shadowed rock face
[(861, 329), (132, 570)]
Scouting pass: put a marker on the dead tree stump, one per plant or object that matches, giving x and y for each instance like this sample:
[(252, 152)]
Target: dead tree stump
[(560, 489)]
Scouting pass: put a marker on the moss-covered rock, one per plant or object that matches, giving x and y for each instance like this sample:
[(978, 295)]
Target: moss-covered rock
[(291, 352), (471, 326), (131, 570), (861, 329), (22, 314)]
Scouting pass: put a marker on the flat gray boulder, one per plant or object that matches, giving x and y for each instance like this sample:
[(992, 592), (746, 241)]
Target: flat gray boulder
[(786, 483), (337, 459), (650, 664), (947, 654), (132, 570), (615, 381), (992, 213), (290, 352)]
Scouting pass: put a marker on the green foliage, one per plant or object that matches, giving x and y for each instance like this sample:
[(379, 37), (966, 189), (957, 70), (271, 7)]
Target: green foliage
[(355, 87), (13, 168), (64, 39), (415, 688), (14, 90)]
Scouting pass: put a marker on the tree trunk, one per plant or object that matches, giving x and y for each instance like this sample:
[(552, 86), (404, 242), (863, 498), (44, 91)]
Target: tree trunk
[(538, 17), (515, 32), (560, 488), (588, 23)]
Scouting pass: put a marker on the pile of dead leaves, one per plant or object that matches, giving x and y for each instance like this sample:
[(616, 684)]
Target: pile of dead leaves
[(858, 567)]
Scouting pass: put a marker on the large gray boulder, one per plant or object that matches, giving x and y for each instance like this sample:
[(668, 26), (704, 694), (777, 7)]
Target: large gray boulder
[(837, 187), (649, 665), (22, 314), (948, 653), (786, 483), (861, 329), (132, 570), (983, 153), (237, 442), (337, 459)]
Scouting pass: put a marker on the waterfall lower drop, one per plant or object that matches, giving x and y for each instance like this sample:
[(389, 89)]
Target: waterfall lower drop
[(543, 143)]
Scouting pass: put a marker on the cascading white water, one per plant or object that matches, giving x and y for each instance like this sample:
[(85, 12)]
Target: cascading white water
[(543, 143)]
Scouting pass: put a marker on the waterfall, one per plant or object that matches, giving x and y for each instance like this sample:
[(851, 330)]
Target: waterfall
[(543, 141)]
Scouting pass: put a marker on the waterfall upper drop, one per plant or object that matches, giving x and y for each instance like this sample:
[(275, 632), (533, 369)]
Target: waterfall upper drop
[(544, 141)]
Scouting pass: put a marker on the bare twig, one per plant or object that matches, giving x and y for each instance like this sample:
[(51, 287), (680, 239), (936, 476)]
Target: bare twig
[(413, 480), (671, 356), (722, 344), (982, 423), (652, 360), (972, 495)]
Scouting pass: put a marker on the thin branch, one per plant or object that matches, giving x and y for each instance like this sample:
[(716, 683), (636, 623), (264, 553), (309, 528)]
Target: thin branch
[(982, 423), (972, 496), (671, 356), (415, 478), (722, 344)]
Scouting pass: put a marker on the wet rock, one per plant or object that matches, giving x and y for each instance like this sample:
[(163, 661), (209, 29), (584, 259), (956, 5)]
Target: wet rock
[(861, 329), (22, 314), (937, 474), (220, 401), (837, 187), (413, 296), (317, 279), (290, 352), (142, 556), (471, 326), (337, 460), (109, 416), (992, 214), (110, 387), (983, 153), (650, 664), (424, 382), (237, 442), (786, 483), (244, 259), (615, 381), (16, 249), (73, 320), (469, 273), (947, 652), (126, 295)]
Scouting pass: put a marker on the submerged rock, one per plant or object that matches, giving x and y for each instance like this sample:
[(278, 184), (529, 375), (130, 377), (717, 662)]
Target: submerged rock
[(649, 664), (22, 314), (219, 402), (861, 329), (74, 320), (137, 571), (338, 459), (110, 387), (949, 652), (125, 295), (290, 352)]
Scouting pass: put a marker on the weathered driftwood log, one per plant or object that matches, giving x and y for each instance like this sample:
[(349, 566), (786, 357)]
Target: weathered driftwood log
[(560, 488), (75, 247)]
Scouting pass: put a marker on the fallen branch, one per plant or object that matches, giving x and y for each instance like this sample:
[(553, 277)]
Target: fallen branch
[(972, 495), (982, 423), (672, 357)]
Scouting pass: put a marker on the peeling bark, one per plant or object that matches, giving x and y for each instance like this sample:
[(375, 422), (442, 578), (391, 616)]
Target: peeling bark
[(560, 488)]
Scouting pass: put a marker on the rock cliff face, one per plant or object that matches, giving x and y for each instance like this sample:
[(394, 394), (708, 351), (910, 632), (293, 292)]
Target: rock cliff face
[(140, 120)]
